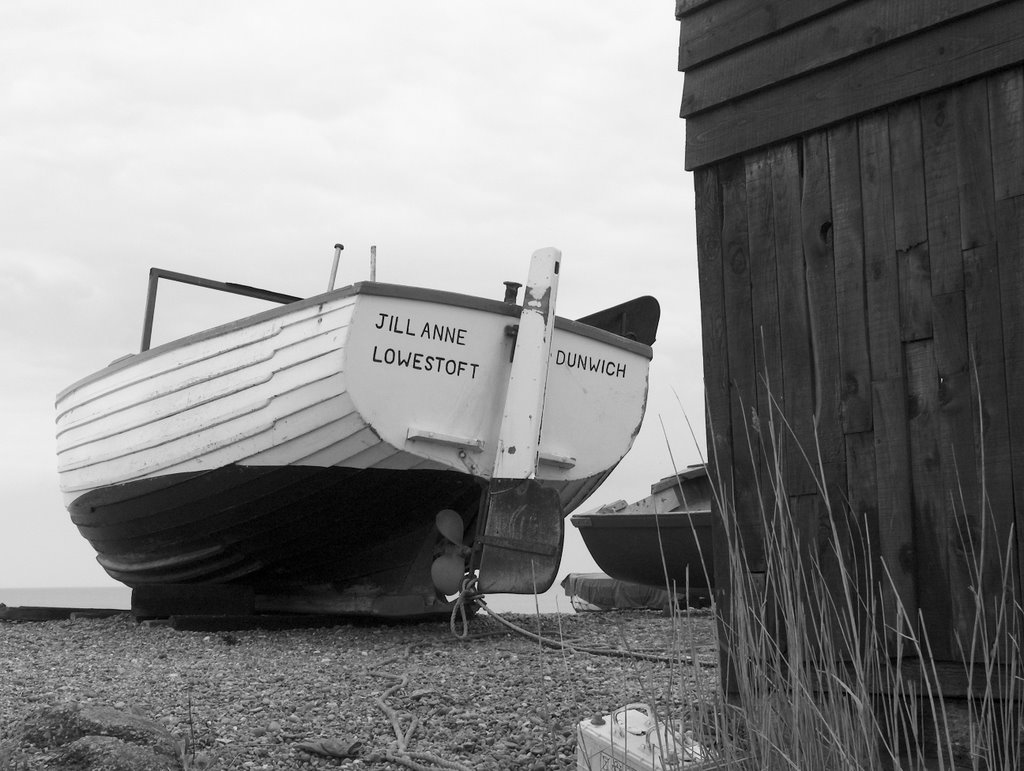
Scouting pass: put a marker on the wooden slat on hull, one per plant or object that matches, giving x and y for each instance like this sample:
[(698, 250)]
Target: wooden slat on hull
[(209, 404), (283, 341)]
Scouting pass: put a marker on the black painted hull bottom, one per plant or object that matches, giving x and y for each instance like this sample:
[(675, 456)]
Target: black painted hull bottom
[(630, 547), (300, 538)]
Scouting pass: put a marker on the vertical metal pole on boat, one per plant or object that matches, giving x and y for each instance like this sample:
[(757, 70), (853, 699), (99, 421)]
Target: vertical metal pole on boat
[(147, 321), (373, 263), (334, 267), (519, 435), (522, 533)]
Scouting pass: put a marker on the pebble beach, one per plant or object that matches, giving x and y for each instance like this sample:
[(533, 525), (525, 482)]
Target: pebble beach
[(340, 696)]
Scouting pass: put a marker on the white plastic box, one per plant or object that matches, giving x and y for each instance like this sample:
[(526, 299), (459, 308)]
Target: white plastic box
[(630, 739)]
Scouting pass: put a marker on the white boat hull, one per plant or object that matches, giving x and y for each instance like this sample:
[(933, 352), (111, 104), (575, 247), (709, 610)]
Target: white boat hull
[(308, 448)]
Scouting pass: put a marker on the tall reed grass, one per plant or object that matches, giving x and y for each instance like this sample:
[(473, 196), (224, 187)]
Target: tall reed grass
[(826, 667)]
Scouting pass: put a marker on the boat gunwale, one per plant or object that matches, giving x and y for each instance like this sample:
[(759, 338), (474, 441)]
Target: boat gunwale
[(400, 291), (642, 520)]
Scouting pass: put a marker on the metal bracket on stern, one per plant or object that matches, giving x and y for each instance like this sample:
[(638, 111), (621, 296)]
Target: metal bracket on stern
[(419, 434)]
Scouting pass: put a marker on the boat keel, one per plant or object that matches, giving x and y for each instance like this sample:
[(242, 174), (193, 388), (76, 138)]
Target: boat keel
[(234, 601)]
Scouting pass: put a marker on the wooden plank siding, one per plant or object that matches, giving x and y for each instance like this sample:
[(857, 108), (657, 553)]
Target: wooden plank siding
[(710, 28), (759, 72), (715, 355), (848, 240), (1006, 121), (822, 306), (796, 385), (744, 462), (861, 281), (1010, 247), (818, 41)]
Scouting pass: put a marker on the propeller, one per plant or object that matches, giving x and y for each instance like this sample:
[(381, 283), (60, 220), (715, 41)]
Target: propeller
[(449, 523), (448, 570)]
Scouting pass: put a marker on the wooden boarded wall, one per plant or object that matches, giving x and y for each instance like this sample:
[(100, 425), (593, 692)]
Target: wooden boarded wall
[(759, 71), (866, 281)]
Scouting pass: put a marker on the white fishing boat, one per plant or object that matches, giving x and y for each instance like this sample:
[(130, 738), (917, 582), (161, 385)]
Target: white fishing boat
[(360, 451)]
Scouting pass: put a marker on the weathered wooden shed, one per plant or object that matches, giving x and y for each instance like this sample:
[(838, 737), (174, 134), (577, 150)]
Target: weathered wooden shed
[(859, 175)]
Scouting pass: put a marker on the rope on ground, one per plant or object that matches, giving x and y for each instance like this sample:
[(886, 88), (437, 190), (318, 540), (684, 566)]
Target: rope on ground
[(468, 594), (401, 753)]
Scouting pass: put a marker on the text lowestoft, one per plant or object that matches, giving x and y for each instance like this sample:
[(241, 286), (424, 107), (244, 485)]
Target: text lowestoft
[(425, 362)]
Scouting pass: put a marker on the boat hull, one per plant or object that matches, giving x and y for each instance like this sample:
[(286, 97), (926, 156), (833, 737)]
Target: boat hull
[(672, 549), (267, 526), (304, 452), (279, 528)]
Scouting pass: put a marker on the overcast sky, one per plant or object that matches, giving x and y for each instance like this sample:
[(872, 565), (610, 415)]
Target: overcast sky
[(241, 140)]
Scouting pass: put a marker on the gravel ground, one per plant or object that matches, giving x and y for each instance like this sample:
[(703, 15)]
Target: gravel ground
[(248, 699)]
